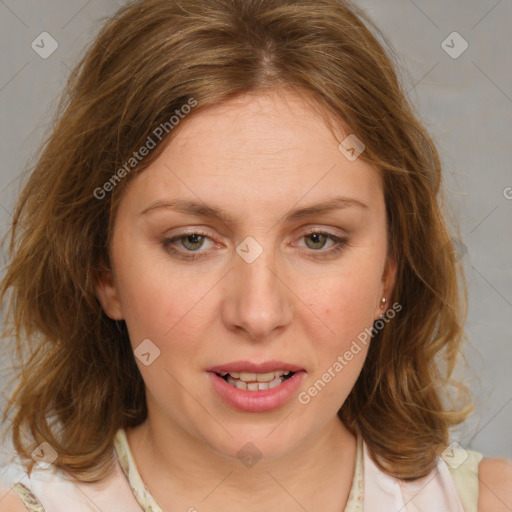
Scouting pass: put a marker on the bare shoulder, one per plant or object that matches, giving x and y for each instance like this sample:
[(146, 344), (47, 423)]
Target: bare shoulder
[(10, 501), (495, 489)]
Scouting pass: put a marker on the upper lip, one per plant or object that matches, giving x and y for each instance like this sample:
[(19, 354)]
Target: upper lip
[(249, 367)]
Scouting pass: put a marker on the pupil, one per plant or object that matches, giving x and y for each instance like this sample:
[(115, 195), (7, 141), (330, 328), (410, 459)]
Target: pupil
[(194, 237), (315, 236)]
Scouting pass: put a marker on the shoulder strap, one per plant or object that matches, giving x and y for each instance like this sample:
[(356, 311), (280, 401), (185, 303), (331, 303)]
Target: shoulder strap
[(47, 489), (435, 491), (463, 466)]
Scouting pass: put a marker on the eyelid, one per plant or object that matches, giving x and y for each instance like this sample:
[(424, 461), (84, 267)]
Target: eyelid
[(192, 230), (327, 231)]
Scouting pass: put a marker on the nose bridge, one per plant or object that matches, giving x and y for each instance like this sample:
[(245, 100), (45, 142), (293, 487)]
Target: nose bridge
[(259, 273), (261, 301)]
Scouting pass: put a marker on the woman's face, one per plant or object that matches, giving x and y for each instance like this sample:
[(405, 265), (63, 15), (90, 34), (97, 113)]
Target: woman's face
[(256, 288)]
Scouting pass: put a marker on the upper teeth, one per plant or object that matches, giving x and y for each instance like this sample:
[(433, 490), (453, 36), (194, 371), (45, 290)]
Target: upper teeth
[(255, 377)]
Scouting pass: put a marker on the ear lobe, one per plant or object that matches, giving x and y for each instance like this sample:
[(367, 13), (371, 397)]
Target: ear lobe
[(107, 294)]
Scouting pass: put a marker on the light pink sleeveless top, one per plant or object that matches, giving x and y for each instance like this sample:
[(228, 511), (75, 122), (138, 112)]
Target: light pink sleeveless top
[(451, 487)]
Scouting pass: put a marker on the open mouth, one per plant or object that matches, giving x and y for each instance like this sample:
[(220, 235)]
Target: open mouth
[(255, 381)]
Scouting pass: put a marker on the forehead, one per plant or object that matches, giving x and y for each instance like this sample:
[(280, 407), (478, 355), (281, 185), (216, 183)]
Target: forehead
[(272, 127), (269, 149)]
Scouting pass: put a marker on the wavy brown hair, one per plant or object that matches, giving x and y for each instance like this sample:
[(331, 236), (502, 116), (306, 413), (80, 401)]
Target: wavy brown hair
[(77, 380)]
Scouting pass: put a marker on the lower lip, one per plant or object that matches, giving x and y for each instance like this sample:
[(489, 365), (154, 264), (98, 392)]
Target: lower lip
[(257, 401)]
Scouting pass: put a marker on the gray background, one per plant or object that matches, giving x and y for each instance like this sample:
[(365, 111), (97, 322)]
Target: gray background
[(466, 102)]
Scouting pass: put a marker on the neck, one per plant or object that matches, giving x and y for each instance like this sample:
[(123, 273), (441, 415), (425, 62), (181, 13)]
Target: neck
[(183, 472)]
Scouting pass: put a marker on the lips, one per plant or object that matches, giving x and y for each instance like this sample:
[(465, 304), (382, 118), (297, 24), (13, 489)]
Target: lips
[(247, 387), (256, 396)]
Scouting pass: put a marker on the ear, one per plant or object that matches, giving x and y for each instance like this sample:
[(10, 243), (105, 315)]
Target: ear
[(387, 286), (108, 295)]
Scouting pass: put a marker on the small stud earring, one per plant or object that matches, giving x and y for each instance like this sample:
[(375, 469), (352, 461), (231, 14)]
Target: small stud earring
[(383, 302)]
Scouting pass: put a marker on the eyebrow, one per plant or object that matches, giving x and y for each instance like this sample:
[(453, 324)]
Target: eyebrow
[(204, 210)]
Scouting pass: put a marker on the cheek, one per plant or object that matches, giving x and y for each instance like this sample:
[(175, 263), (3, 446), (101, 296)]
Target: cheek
[(158, 309), (344, 301), (168, 307), (340, 335)]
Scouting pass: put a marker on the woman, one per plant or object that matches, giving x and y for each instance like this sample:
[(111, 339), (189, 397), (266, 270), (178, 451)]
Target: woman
[(231, 281)]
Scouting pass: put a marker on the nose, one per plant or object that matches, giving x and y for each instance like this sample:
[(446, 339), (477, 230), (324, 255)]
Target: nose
[(258, 299)]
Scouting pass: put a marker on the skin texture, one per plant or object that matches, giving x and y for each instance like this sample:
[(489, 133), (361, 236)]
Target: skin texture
[(10, 502), (495, 477), (257, 157)]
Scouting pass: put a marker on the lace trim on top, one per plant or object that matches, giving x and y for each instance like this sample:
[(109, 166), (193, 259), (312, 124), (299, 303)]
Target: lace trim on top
[(27, 497), (127, 462)]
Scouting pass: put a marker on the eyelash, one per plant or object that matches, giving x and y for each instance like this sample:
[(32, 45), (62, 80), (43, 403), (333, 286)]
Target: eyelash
[(339, 244)]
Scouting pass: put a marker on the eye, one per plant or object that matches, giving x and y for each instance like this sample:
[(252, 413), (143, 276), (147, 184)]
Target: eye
[(318, 239), (192, 242)]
